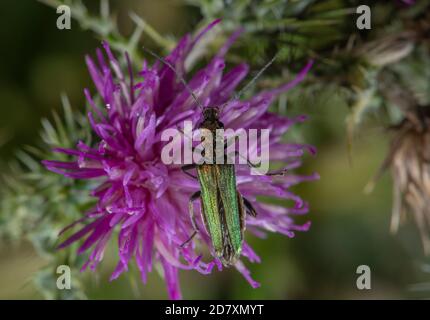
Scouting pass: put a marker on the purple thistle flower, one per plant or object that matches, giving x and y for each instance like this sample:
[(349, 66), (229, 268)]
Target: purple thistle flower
[(146, 200)]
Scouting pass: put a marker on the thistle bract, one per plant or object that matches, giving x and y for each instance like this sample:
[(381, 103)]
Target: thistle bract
[(145, 200)]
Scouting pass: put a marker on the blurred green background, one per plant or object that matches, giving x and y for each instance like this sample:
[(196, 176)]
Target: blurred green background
[(39, 62)]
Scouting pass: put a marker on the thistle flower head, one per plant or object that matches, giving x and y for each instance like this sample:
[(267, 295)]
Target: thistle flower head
[(408, 158), (146, 200)]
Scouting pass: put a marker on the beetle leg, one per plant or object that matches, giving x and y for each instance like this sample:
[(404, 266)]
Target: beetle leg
[(273, 174), (193, 198), (188, 167), (277, 174), (193, 149), (242, 213), (237, 153), (249, 206)]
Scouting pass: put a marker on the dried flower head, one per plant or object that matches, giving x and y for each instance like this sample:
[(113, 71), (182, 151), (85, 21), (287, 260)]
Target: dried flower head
[(409, 161), (146, 200), (410, 167)]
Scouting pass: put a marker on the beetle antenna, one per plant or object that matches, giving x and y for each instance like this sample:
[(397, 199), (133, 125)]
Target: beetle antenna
[(169, 65), (251, 82)]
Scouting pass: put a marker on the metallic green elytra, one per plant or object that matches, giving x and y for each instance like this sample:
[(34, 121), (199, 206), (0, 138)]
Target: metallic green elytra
[(223, 207)]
